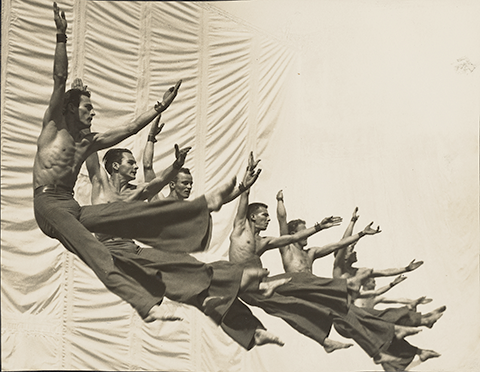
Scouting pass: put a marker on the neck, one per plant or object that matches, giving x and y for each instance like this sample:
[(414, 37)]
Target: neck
[(118, 182), (72, 128)]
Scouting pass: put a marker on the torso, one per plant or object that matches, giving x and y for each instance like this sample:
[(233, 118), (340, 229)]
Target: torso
[(295, 259), (59, 158), (365, 302), (243, 247)]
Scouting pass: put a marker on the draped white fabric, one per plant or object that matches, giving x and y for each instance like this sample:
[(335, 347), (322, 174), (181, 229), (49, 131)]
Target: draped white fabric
[(55, 313), (376, 108)]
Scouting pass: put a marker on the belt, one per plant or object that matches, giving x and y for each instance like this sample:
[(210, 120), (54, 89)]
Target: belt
[(52, 188)]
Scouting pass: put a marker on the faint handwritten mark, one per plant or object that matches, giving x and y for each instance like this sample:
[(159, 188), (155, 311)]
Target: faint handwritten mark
[(463, 65)]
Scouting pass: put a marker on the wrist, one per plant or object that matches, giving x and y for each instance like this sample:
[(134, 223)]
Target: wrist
[(317, 226), (61, 37), (177, 165), (159, 107), (151, 138), (360, 234), (241, 187)]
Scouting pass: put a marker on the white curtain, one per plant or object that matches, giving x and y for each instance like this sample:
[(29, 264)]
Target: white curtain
[(55, 313)]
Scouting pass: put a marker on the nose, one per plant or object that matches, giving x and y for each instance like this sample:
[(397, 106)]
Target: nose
[(92, 113)]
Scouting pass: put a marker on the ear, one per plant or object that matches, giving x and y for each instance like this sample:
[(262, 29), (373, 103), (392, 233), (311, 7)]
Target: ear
[(171, 184), (115, 166), (71, 107)]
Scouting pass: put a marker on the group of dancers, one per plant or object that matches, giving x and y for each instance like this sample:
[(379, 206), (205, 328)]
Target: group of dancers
[(174, 227)]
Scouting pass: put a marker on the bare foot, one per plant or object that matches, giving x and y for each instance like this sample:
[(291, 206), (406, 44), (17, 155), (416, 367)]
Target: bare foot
[(419, 301), (427, 354), (263, 337), (441, 309), (331, 345), (268, 288), (251, 278), (355, 283), (428, 320), (212, 302), (164, 312), (385, 358), (401, 331), (216, 198)]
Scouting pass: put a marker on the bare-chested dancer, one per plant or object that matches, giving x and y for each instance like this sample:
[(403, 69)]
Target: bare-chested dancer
[(308, 303), (346, 257), (212, 287), (343, 267), (296, 258), (62, 147), (355, 324), (369, 297)]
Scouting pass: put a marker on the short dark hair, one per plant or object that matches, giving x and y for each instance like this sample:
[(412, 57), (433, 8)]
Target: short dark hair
[(73, 96), (113, 156), (254, 207), (293, 224), (181, 170)]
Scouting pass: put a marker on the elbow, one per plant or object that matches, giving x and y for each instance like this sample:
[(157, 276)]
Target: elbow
[(59, 78)]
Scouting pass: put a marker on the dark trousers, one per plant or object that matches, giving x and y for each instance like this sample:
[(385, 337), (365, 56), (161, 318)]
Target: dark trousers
[(177, 225)]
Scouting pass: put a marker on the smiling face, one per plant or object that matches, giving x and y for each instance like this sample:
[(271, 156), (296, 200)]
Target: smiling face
[(128, 167), (181, 187)]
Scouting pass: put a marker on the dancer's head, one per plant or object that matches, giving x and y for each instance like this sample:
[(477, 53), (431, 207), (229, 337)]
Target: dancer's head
[(77, 107), (121, 162), (258, 214), (369, 284), (181, 185), (295, 226)]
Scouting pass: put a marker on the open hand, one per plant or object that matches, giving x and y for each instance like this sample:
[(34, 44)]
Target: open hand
[(59, 18), (280, 195), (155, 129), (180, 155), (414, 265), (168, 97), (369, 231), (328, 222), (398, 280)]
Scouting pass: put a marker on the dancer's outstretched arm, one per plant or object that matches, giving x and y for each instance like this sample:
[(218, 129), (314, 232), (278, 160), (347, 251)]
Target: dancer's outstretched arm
[(317, 252), (148, 152), (390, 272), (276, 242), (250, 177), (118, 134), (339, 267), (379, 291)]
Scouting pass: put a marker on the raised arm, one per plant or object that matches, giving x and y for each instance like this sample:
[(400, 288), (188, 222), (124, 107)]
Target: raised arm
[(381, 290), (271, 242), (60, 70), (116, 135), (244, 191), (249, 179), (339, 262), (98, 177), (281, 214), (148, 172), (390, 272), (158, 183), (317, 252)]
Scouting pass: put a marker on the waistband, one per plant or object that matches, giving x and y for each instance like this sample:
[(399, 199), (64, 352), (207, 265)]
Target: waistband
[(52, 189)]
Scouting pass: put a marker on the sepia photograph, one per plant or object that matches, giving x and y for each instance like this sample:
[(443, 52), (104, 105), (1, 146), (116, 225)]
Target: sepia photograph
[(240, 186)]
